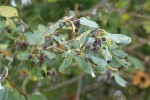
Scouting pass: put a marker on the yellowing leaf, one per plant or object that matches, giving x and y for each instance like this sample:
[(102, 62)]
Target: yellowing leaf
[(3, 46), (7, 11), (7, 53)]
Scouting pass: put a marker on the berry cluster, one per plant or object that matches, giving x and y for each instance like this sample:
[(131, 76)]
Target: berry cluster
[(67, 24), (41, 59), (95, 46), (20, 44), (52, 75), (76, 23)]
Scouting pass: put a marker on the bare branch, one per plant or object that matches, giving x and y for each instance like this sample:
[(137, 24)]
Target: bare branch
[(13, 85)]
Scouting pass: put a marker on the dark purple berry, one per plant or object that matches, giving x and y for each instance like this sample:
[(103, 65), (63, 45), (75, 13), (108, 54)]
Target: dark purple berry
[(97, 40), (25, 44), (103, 39), (77, 23), (57, 34), (94, 34), (97, 46), (53, 74), (61, 25), (39, 63), (91, 47), (67, 24), (95, 50), (76, 30), (94, 43), (48, 73)]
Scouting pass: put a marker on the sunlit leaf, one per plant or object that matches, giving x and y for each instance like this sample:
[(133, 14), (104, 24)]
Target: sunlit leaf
[(89, 23), (8, 11), (120, 38), (120, 81), (3, 46)]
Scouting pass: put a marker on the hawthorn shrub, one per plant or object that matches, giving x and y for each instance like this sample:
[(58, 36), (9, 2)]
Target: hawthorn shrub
[(70, 41)]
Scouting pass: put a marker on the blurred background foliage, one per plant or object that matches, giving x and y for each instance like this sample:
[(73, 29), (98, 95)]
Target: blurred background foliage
[(130, 17)]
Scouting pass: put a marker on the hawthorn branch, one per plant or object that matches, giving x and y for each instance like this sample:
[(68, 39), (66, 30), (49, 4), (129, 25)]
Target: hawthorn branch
[(13, 85), (24, 83)]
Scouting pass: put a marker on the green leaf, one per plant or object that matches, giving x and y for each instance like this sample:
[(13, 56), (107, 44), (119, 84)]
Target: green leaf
[(89, 23), (4, 94), (41, 28), (120, 53), (44, 67), (36, 74), (122, 62), (57, 39), (85, 66), (114, 63), (98, 61), (136, 62), (9, 58), (36, 38), (8, 11), (7, 94), (83, 38), (120, 81), (23, 55), (119, 38), (49, 54), (67, 61), (107, 55), (52, 28), (3, 46)]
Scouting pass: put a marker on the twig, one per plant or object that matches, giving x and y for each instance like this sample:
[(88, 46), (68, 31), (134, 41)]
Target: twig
[(59, 85), (79, 87), (13, 85), (24, 83)]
